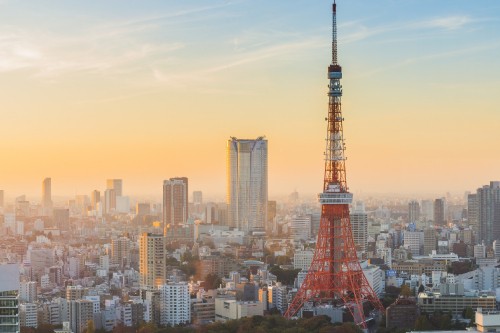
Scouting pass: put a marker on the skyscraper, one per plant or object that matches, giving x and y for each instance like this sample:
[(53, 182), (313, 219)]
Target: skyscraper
[(472, 213), (488, 212), (247, 183), (47, 196), (152, 258), (9, 298), (439, 218), (175, 202), (359, 225), (120, 252), (109, 201), (1, 198), (413, 211), (95, 197), (115, 184)]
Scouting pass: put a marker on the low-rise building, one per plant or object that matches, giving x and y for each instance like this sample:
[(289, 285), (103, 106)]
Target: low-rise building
[(228, 309), (452, 298)]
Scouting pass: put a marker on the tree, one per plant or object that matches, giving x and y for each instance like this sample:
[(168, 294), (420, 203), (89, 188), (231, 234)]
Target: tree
[(90, 327), (423, 324), (405, 290), (468, 313), (212, 281)]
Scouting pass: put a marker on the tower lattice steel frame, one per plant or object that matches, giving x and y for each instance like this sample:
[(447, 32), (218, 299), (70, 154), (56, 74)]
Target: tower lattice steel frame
[(335, 275)]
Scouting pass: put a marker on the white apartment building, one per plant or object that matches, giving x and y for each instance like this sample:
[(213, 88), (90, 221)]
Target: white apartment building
[(28, 315), (175, 304), (302, 259)]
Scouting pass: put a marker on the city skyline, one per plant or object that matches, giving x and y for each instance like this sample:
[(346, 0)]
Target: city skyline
[(111, 94)]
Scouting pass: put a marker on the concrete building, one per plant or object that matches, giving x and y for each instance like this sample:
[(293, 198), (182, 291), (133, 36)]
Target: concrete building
[(359, 225), (402, 314), (152, 258), (28, 315), (472, 212), (175, 304), (203, 312), (61, 219), (9, 302), (120, 252), (302, 259), (109, 201), (175, 203), (452, 299), (375, 277), (487, 321), (430, 241), (74, 293), (300, 228), (226, 309), (47, 197), (247, 183), (488, 211), (81, 312), (116, 185), (28, 292), (439, 215), (414, 241), (413, 211)]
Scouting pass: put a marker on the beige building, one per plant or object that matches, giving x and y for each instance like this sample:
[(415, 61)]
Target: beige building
[(152, 259), (228, 309), (487, 321)]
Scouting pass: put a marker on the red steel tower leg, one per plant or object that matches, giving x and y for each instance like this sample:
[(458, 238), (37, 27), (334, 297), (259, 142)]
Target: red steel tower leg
[(335, 275)]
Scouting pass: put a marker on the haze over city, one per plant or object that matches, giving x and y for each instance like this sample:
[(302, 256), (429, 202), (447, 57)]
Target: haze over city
[(143, 92)]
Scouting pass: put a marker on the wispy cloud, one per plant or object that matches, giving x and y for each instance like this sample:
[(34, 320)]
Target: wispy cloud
[(358, 30), (433, 56), (447, 23)]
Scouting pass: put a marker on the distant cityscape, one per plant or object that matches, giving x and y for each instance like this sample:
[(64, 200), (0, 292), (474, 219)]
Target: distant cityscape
[(186, 261)]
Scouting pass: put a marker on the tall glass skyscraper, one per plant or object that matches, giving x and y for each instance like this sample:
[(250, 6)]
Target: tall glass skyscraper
[(9, 298), (247, 184)]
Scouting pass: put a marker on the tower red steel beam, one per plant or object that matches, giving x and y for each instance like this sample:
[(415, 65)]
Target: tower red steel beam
[(335, 276)]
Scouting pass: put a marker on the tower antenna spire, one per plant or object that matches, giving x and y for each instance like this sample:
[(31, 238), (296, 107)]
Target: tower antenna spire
[(334, 33)]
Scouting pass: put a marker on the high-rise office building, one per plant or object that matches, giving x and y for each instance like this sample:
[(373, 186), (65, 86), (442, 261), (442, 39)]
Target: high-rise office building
[(1, 198), (247, 183), (359, 225), (427, 210), (120, 252), (9, 298), (47, 196), (413, 211), (152, 257), (175, 202), (488, 212), (439, 218), (430, 241), (115, 184), (472, 213), (109, 201), (198, 197), (61, 218), (300, 228), (95, 198)]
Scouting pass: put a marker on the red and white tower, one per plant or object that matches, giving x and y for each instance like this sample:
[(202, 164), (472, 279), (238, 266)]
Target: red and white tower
[(335, 275)]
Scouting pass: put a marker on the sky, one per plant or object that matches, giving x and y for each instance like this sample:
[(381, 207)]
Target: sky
[(148, 90)]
